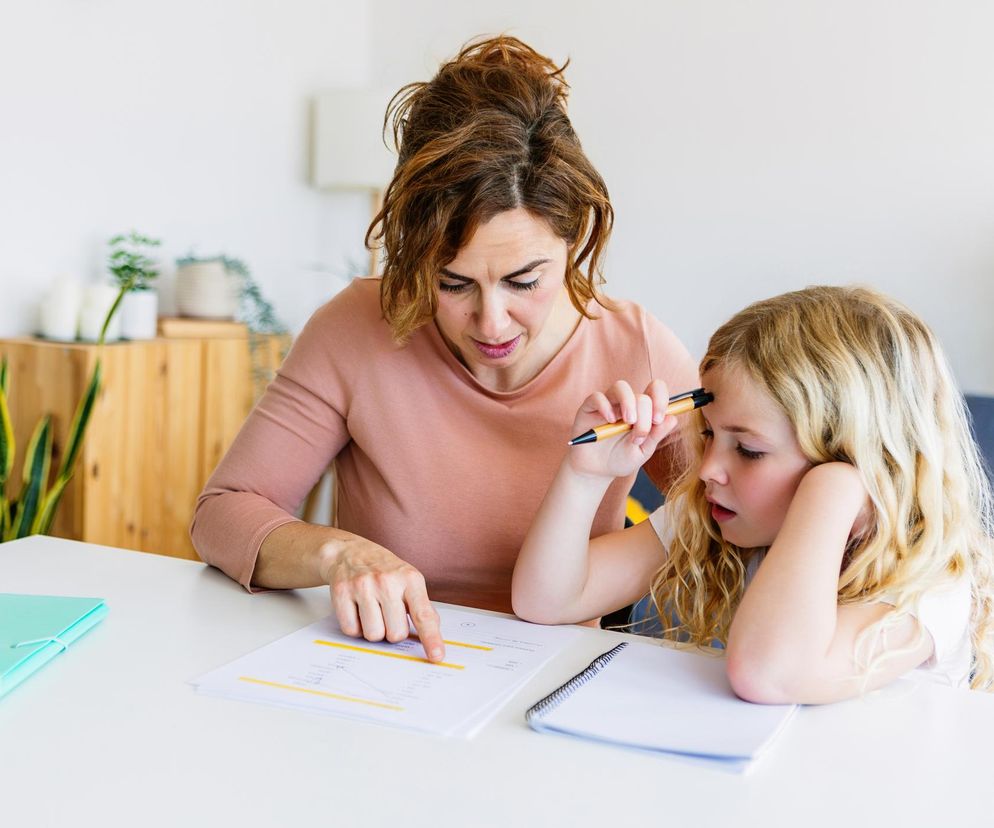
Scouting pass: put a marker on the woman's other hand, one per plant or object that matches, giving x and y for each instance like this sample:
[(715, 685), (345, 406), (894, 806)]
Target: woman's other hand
[(374, 591), (621, 455)]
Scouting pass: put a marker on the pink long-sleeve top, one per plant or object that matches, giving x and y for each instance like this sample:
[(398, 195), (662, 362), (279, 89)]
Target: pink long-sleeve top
[(445, 473)]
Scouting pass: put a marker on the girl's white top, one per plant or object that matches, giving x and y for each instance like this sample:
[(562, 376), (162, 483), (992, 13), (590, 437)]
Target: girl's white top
[(944, 613)]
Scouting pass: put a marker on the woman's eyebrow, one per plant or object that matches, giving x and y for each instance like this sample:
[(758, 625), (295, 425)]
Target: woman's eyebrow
[(519, 272)]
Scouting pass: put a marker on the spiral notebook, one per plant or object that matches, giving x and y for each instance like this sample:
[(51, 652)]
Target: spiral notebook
[(663, 700)]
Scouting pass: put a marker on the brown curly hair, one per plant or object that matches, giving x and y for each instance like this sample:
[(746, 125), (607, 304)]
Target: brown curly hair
[(488, 133)]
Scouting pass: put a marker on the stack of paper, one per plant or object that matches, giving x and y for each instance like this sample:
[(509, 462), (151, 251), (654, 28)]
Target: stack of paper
[(320, 669)]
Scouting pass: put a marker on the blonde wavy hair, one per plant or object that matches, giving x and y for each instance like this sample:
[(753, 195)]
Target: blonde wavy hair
[(864, 381)]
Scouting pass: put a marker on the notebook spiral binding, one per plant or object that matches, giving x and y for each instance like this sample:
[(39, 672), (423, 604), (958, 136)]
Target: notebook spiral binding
[(556, 697)]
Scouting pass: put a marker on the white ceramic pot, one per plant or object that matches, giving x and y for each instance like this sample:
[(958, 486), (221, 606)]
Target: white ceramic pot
[(207, 290), (139, 314), (59, 313), (97, 301)]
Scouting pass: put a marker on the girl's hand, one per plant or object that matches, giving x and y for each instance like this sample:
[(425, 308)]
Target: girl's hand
[(621, 455)]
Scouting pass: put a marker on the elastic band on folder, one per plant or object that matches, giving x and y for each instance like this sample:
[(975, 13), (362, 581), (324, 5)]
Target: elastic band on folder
[(52, 639)]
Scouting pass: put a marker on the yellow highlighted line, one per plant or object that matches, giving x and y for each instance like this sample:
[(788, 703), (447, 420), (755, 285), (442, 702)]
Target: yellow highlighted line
[(464, 644), (388, 655), (458, 644), (321, 693)]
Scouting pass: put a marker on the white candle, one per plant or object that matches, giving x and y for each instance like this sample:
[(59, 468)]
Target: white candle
[(97, 300), (60, 309)]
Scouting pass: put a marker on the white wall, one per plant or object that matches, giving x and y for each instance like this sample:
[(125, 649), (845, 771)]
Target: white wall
[(750, 147), (186, 120), (756, 147)]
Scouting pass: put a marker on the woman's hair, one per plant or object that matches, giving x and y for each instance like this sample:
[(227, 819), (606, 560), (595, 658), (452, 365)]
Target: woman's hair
[(488, 133), (863, 381)]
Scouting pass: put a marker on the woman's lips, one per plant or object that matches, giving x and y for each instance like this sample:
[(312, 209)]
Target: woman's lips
[(498, 351), (720, 513)]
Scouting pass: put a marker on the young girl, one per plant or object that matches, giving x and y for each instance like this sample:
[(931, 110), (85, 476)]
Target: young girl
[(832, 530)]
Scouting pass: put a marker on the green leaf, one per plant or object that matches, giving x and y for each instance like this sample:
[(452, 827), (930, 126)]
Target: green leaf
[(110, 314), (4, 519), (46, 514), (128, 262), (7, 447), (36, 466), (4, 375), (77, 430)]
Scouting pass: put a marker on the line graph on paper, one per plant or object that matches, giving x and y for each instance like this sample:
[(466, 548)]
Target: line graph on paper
[(319, 669)]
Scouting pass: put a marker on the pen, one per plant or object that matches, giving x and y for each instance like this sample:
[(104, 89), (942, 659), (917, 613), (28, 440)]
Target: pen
[(687, 401)]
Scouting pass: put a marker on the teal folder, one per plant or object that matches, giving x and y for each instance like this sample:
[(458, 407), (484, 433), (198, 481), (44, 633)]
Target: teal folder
[(34, 629)]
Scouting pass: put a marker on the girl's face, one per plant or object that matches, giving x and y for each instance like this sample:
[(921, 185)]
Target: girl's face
[(503, 308), (752, 462)]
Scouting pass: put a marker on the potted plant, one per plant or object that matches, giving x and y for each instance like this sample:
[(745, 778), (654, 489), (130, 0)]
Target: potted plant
[(134, 271), (221, 287), (253, 308), (32, 510), (205, 289)]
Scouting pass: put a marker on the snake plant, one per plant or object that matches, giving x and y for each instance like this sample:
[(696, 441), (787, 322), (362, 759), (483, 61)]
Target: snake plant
[(32, 510)]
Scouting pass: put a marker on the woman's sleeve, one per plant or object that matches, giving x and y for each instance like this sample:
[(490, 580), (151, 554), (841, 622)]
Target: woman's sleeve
[(670, 361), (292, 435)]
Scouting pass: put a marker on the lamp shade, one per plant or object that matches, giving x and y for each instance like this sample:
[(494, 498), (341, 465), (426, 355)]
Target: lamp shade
[(348, 149)]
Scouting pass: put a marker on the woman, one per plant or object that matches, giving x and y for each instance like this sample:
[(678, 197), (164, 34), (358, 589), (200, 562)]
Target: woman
[(444, 392)]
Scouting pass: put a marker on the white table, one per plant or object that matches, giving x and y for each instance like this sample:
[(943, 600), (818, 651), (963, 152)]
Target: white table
[(110, 734)]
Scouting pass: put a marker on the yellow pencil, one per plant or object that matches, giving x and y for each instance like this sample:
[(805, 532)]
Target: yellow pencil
[(687, 401)]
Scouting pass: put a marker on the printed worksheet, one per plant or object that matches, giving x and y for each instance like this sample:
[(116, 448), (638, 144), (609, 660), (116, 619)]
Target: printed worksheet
[(318, 668)]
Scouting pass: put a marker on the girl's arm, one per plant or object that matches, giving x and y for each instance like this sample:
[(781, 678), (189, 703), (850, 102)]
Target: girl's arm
[(790, 641), (561, 576)]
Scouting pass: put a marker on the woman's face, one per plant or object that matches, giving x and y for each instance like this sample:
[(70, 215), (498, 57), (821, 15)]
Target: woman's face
[(503, 308), (752, 462)]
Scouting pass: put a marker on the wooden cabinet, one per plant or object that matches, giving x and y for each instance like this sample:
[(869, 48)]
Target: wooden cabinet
[(167, 411)]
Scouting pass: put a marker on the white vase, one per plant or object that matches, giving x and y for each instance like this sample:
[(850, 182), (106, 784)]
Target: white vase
[(207, 290), (59, 313), (139, 314), (97, 301)]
